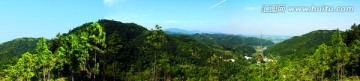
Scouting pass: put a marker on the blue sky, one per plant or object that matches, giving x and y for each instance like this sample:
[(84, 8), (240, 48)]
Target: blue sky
[(36, 18)]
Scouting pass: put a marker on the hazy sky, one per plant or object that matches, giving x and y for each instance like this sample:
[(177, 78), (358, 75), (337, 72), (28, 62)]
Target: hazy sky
[(36, 18)]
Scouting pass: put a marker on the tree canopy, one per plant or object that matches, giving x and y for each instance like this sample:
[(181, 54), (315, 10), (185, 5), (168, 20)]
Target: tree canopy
[(112, 50)]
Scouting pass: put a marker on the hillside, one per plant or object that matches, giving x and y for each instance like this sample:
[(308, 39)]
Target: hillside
[(17, 46), (235, 43), (10, 50), (273, 38), (112, 50), (300, 46), (177, 56), (230, 40)]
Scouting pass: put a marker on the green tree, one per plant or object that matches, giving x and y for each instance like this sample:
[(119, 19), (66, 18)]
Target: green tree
[(29, 65), (156, 39), (46, 59), (355, 55), (271, 71), (213, 69), (341, 56), (24, 68), (94, 39), (352, 34), (321, 61), (111, 64)]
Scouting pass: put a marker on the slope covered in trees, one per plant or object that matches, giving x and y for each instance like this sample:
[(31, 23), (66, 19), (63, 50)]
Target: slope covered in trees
[(334, 59), (300, 46), (230, 40), (142, 54), (11, 50), (112, 50), (17, 46), (240, 44), (227, 39)]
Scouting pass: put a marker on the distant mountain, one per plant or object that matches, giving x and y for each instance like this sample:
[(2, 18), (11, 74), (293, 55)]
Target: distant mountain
[(239, 44), (300, 46), (274, 38), (230, 40), (10, 50), (180, 31)]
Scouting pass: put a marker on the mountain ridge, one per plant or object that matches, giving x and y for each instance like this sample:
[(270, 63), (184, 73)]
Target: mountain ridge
[(304, 44)]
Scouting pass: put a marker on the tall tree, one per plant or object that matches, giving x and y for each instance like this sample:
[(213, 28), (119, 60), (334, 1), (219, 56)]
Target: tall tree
[(321, 61), (45, 58), (352, 34), (354, 58), (96, 43), (155, 40), (341, 56), (24, 68)]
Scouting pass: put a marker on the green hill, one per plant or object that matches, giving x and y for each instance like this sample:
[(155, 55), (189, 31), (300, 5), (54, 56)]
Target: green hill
[(11, 50), (112, 50), (300, 46), (235, 43), (177, 56), (230, 40)]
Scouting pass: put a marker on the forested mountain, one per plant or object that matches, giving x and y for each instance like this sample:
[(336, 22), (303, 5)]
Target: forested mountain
[(300, 46), (274, 38), (181, 31), (11, 50), (249, 39), (220, 39), (112, 50), (237, 43), (319, 55), (17, 46), (230, 40)]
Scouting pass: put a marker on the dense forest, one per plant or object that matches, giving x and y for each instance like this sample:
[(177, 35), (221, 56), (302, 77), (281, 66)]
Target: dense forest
[(301, 46), (10, 51), (109, 50), (112, 50), (318, 55), (242, 44)]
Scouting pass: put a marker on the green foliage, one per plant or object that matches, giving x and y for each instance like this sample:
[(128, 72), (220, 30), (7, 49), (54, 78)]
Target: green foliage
[(11, 51), (24, 68), (83, 47), (30, 65), (334, 60), (45, 59), (112, 50), (352, 34), (300, 46), (230, 40)]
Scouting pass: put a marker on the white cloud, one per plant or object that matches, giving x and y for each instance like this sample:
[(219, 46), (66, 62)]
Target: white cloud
[(217, 4), (250, 8)]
